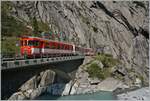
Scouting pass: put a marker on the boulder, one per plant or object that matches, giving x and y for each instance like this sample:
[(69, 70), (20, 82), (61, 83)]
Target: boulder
[(27, 93), (30, 84), (36, 92), (73, 91), (138, 82), (74, 88), (47, 78), (119, 69), (67, 89), (17, 96)]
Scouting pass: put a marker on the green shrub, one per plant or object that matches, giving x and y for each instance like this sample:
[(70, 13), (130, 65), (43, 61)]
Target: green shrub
[(107, 60), (95, 71)]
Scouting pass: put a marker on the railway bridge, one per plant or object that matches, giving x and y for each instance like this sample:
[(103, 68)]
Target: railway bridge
[(14, 73)]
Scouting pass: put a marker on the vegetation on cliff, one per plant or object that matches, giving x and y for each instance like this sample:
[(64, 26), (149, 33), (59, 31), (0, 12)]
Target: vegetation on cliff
[(13, 28), (95, 71), (102, 72), (107, 60), (10, 45), (10, 25)]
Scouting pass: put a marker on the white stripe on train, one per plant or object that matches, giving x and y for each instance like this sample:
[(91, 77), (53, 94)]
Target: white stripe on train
[(48, 51)]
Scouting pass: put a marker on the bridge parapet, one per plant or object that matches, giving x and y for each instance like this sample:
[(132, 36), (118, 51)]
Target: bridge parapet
[(29, 62)]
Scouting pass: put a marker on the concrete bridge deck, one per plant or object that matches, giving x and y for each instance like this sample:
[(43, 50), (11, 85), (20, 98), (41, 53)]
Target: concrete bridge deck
[(39, 61)]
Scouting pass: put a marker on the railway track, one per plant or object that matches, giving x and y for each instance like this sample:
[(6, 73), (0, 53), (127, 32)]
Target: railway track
[(11, 59), (23, 58)]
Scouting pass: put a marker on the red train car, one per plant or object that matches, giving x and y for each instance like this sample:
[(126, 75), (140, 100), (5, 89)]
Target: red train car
[(37, 47), (34, 46)]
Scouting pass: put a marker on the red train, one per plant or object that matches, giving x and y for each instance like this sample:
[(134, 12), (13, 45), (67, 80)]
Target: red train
[(36, 47)]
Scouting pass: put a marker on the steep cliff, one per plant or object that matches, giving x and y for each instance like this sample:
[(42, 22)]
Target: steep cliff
[(117, 28)]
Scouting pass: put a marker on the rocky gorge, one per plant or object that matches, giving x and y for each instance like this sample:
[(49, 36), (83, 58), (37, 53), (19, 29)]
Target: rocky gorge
[(82, 83), (118, 28)]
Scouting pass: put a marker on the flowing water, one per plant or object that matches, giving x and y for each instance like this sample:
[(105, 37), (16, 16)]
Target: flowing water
[(102, 95)]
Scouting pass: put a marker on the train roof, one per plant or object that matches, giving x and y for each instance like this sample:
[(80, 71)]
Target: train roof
[(44, 39)]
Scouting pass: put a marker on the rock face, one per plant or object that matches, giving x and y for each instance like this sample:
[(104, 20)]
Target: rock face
[(119, 28)]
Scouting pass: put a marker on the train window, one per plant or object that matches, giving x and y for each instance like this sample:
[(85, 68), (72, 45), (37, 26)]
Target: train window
[(42, 43), (33, 43), (53, 46), (66, 47), (36, 43), (58, 46), (62, 46), (30, 43), (47, 45)]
